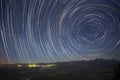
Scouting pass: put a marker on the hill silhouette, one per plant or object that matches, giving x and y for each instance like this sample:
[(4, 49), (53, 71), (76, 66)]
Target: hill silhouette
[(98, 69)]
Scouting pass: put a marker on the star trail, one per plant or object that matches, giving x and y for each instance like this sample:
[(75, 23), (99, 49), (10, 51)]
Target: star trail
[(59, 30)]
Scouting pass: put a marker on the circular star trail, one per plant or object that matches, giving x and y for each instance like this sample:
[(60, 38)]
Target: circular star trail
[(59, 30)]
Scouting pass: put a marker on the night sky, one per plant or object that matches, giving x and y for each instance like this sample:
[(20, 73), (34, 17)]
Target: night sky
[(59, 30)]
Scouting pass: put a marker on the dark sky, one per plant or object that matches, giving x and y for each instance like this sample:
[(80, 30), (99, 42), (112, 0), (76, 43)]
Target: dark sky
[(59, 30)]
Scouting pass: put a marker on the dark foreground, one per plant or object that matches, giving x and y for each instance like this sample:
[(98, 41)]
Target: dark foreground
[(81, 70)]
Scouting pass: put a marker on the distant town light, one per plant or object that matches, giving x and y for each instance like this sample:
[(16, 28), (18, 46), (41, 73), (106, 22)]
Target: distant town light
[(42, 66), (19, 65), (32, 65)]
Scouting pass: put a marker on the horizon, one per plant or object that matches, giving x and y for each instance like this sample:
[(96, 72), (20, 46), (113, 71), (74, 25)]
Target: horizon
[(97, 59)]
